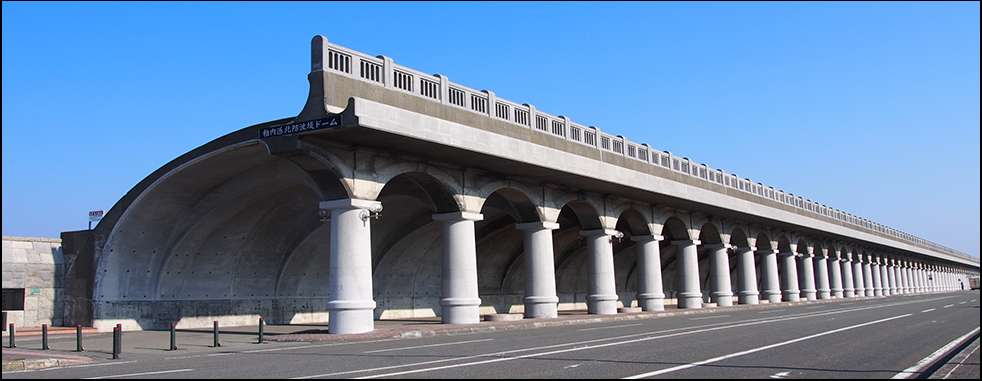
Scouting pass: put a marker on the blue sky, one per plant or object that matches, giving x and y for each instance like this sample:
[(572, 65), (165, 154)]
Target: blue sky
[(871, 108)]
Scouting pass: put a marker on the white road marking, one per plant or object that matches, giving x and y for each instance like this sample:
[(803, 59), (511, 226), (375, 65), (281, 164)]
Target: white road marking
[(708, 328), (710, 317), (140, 374), (426, 346), (768, 312), (766, 347), (615, 326), (950, 305), (917, 368), (928, 310), (578, 348), (781, 375)]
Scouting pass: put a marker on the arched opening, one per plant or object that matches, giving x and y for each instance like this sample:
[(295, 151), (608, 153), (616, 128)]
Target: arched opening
[(407, 247)]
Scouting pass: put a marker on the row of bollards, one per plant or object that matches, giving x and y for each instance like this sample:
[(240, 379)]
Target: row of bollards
[(117, 348), (44, 337)]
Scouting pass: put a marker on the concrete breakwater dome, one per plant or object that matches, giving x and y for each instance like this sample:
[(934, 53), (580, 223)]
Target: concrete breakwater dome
[(397, 194)]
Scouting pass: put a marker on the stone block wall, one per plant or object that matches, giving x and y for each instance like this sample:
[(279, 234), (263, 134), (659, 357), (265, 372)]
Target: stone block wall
[(37, 266)]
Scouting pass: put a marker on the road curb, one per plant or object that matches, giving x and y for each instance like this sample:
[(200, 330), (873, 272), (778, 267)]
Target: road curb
[(15, 365)]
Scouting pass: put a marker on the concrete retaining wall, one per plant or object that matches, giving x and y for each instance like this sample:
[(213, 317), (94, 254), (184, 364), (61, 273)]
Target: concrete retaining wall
[(36, 265)]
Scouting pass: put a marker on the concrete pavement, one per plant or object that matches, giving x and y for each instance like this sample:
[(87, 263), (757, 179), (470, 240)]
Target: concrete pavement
[(140, 345)]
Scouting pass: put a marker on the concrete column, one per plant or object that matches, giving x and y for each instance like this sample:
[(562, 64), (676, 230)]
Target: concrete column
[(835, 277), (351, 308), (877, 280), (908, 280), (601, 298), (915, 279), (901, 278), (868, 277), (651, 292), (746, 277), (892, 277), (857, 274), (905, 272), (922, 271), (928, 275), (720, 291), (770, 281), (847, 287), (689, 293), (789, 282), (806, 268), (823, 285), (885, 277), (919, 271), (540, 270), (459, 302), (925, 287)]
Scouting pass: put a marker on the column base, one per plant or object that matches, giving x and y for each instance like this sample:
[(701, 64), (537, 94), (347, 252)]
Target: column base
[(771, 296), (651, 302), (722, 299), (601, 304), (350, 316), (748, 299), (460, 311), (537, 307), (689, 300)]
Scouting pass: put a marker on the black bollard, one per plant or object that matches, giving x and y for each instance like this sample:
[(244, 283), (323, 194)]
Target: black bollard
[(217, 344), (120, 328), (78, 338), (261, 323), (173, 337), (12, 336), (44, 337), (115, 343)]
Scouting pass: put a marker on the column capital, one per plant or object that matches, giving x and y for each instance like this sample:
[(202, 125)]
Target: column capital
[(717, 246), (745, 249), (537, 226), (687, 242), (350, 203), (767, 252), (458, 216), (643, 238), (599, 232)]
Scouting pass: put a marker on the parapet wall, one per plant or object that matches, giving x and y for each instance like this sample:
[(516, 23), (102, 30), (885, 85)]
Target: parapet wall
[(37, 267)]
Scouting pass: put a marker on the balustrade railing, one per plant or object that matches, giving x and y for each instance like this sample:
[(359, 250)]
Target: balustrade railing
[(382, 71)]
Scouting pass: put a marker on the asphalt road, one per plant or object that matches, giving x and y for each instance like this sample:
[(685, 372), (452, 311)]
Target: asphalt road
[(868, 338)]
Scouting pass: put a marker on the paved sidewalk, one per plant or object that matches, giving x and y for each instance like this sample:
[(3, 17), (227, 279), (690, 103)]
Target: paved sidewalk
[(148, 345), (964, 365)]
